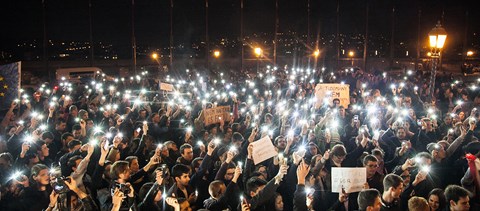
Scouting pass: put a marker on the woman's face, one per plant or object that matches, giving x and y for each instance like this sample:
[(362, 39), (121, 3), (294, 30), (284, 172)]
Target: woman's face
[(461, 115), (279, 203), (434, 202), (43, 178)]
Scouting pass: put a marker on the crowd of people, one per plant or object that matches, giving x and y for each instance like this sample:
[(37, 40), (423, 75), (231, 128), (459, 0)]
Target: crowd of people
[(133, 144)]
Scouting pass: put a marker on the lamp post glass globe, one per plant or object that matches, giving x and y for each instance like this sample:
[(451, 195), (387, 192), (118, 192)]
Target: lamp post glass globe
[(154, 56), (351, 53), (316, 53), (469, 53), (437, 36), (216, 54), (258, 51)]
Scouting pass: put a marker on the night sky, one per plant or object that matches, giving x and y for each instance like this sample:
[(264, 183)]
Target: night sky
[(68, 19)]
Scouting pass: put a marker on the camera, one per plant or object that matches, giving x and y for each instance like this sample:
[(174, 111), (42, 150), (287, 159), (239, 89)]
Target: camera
[(164, 169), (124, 188), (59, 185)]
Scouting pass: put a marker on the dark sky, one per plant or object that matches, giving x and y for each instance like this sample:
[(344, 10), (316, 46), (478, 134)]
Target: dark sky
[(68, 19)]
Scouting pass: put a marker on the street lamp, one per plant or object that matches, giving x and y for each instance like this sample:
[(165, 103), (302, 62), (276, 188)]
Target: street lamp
[(216, 54), (258, 53), (155, 57), (316, 54), (437, 37), (351, 54), (469, 53)]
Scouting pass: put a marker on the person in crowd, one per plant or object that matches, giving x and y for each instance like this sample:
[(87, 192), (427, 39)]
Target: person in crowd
[(436, 199), (458, 198), (369, 200), (393, 188), (418, 203)]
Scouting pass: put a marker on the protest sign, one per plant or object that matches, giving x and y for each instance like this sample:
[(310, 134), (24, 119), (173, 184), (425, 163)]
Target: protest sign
[(326, 93), (351, 179), (214, 115), (263, 149), (166, 87)]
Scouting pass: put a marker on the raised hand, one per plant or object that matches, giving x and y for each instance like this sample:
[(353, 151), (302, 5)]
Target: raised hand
[(236, 175), (145, 128), (230, 155), (421, 176), (117, 198), (173, 202), (281, 172), (302, 172), (159, 177), (408, 164), (211, 148), (53, 199), (250, 151)]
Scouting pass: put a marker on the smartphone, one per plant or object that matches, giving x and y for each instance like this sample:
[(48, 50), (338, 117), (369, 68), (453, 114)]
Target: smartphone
[(106, 145), (376, 135), (355, 118), (419, 122)]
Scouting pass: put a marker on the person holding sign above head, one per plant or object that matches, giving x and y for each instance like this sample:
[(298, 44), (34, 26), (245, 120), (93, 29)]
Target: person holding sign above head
[(259, 191), (337, 157)]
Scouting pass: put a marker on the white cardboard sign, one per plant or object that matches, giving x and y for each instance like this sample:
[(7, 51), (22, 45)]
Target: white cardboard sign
[(351, 179), (263, 149)]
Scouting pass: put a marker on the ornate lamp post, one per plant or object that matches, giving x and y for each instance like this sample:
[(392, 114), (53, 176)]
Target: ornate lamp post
[(437, 37)]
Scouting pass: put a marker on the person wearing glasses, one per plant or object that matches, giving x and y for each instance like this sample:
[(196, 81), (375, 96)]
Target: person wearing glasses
[(374, 179)]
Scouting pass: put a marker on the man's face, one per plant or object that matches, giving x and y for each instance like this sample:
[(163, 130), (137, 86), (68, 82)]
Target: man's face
[(408, 101), (183, 180), (282, 143), (90, 124), (463, 204), (77, 133), (229, 133), (313, 149), (125, 175), (45, 150), (187, 154), (263, 171), (377, 205), (338, 159), (156, 118), (143, 114), (68, 139), (396, 192), (229, 174), (260, 188), (61, 127), (401, 134), (372, 167), (440, 152)]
